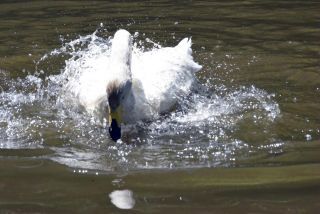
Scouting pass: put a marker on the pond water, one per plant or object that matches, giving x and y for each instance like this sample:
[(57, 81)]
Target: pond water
[(246, 139)]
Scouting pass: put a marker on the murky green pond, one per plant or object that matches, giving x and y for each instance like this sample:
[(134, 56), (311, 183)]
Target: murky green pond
[(247, 140)]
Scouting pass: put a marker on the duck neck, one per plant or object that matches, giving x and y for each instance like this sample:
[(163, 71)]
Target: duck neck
[(121, 55)]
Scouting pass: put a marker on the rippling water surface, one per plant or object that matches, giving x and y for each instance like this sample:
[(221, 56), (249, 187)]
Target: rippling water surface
[(246, 137)]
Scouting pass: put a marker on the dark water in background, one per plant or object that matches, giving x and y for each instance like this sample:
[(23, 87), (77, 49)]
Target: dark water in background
[(248, 141)]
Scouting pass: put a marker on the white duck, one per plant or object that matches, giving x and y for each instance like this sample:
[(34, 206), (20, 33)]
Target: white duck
[(137, 86)]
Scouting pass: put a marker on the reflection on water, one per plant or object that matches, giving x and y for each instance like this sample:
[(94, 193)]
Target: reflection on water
[(256, 105), (123, 199)]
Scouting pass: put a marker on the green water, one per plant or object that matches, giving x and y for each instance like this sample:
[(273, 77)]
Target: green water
[(271, 45)]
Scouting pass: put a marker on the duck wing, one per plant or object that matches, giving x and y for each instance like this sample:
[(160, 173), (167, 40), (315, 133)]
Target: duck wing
[(165, 76)]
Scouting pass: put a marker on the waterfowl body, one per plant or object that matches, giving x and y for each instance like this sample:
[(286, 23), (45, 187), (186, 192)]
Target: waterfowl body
[(129, 85)]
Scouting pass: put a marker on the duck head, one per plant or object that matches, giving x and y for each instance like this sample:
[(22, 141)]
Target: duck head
[(117, 93)]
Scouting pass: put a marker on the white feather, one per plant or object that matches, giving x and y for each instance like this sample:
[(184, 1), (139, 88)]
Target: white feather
[(159, 79)]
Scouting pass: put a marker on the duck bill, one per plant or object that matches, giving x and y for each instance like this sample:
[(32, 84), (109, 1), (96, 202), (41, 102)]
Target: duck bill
[(115, 124)]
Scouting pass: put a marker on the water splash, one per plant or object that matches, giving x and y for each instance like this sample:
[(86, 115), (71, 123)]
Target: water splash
[(36, 112)]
